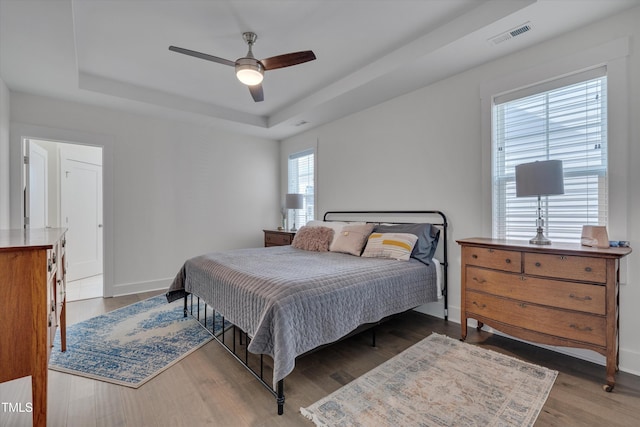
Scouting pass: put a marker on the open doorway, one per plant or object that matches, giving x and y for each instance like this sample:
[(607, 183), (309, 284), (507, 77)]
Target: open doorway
[(73, 199)]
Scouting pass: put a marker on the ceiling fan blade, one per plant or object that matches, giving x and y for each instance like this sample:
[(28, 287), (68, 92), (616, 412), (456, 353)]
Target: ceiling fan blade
[(288, 59), (256, 92), (202, 56)]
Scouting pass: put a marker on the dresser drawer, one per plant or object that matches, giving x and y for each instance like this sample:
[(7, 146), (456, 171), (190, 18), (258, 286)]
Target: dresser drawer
[(566, 267), (560, 323), (60, 297), (52, 261), (554, 293), (492, 258)]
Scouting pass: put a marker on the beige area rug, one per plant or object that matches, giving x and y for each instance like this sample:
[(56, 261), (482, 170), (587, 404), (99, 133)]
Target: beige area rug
[(440, 381)]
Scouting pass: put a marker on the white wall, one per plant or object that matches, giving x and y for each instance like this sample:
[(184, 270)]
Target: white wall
[(432, 138), (4, 156), (172, 190)]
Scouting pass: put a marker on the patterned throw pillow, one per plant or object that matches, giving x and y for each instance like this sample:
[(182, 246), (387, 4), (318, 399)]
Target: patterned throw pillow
[(315, 239), (428, 236), (390, 245)]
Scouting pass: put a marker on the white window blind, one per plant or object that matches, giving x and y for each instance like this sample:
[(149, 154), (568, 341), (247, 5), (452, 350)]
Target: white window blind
[(301, 181), (565, 119)]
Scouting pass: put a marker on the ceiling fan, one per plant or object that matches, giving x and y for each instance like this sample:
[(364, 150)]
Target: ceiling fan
[(250, 70)]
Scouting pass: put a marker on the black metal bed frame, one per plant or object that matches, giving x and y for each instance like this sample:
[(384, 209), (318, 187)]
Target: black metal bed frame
[(278, 392)]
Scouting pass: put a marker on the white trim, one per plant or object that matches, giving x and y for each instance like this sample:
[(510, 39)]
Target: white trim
[(555, 83), (19, 131), (614, 55), (139, 287)]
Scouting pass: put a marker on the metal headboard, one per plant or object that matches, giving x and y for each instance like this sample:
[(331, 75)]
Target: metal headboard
[(443, 225)]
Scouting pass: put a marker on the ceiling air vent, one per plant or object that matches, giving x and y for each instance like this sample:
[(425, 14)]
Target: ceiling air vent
[(508, 35)]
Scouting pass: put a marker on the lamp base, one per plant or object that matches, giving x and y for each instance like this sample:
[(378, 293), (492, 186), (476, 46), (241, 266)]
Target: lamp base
[(540, 239)]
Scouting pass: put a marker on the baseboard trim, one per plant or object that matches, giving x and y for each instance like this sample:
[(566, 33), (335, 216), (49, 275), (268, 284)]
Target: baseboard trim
[(139, 287)]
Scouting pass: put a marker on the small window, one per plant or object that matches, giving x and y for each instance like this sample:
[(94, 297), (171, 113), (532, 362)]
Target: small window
[(565, 119), (301, 181)]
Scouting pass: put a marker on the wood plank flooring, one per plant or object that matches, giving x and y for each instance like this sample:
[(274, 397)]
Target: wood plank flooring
[(209, 388)]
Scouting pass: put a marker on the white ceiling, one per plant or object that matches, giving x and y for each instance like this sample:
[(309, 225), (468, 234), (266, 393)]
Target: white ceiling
[(115, 53)]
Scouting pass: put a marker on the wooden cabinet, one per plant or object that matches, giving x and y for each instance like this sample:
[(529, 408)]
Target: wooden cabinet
[(278, 237), (33, 305), (558, 294)]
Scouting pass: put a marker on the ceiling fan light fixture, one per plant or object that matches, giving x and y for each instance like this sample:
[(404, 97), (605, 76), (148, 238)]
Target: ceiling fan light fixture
[(249, 71)]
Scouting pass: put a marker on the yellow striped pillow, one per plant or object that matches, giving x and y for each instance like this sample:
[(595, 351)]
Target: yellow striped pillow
[(390, 245)]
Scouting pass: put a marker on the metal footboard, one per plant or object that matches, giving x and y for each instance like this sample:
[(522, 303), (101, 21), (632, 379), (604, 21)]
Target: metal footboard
[(278, 393)]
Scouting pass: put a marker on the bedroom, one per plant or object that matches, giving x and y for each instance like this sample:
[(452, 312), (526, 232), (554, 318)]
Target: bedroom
[(151, 235)]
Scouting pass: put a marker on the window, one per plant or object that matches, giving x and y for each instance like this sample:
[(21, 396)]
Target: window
[(301, 181), (565, 119)]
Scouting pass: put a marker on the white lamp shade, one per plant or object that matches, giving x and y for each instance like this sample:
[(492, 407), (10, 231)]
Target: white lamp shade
[(543, 178), (294, 201)]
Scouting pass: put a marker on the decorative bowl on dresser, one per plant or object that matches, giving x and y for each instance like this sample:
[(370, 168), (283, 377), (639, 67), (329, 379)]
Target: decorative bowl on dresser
[(33, 304), (559, 294), (278, 237)]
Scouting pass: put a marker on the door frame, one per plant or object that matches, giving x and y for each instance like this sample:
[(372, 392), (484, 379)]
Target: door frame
[(30, 148), (18, 133)]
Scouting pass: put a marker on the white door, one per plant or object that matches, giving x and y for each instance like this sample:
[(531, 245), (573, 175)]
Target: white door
[(81, 200), (38, 195)]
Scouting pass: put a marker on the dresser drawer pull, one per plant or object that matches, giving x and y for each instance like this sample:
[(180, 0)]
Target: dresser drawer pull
[(574, 296), (581, 328), (480, 305), (588, 269), (508, 261), (538, 264), (474, 256), (522, 305), (562, 257), (480, 281)]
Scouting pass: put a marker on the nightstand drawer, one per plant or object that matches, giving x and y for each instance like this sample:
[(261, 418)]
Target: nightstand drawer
[(554, 293), (278, 238), (559, 323), (492, 258), (566, 267)]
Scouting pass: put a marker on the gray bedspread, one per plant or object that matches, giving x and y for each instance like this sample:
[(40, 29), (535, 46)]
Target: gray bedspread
[(290, 301)]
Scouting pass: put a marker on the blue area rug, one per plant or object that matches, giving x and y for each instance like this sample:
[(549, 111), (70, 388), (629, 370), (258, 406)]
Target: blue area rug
[(131, 345)]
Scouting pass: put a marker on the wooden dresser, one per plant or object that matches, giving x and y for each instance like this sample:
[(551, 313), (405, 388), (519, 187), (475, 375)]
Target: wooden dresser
[(33, 304), (278, 237), (558, 294)]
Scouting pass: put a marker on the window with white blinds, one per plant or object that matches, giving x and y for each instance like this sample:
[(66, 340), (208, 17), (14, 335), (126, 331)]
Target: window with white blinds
[(564, 119), (301, 181)]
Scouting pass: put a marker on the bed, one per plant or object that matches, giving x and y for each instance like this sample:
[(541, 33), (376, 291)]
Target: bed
[(287, 301)]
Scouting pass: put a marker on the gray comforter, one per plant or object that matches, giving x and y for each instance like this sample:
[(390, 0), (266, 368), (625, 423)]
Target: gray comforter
[(290, 301)]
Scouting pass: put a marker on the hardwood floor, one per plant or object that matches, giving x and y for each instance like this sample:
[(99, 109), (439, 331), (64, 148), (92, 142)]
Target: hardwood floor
[(209, 388)]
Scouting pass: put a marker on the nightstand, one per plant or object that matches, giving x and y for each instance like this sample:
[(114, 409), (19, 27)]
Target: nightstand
[(557, 294), (278, 237)]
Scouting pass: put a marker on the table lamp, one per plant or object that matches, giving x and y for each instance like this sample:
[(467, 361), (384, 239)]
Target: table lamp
[(294, 201), (541, 178)]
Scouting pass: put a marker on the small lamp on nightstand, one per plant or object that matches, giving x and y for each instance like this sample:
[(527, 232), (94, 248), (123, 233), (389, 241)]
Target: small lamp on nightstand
[(294, 201), (543, 178)]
